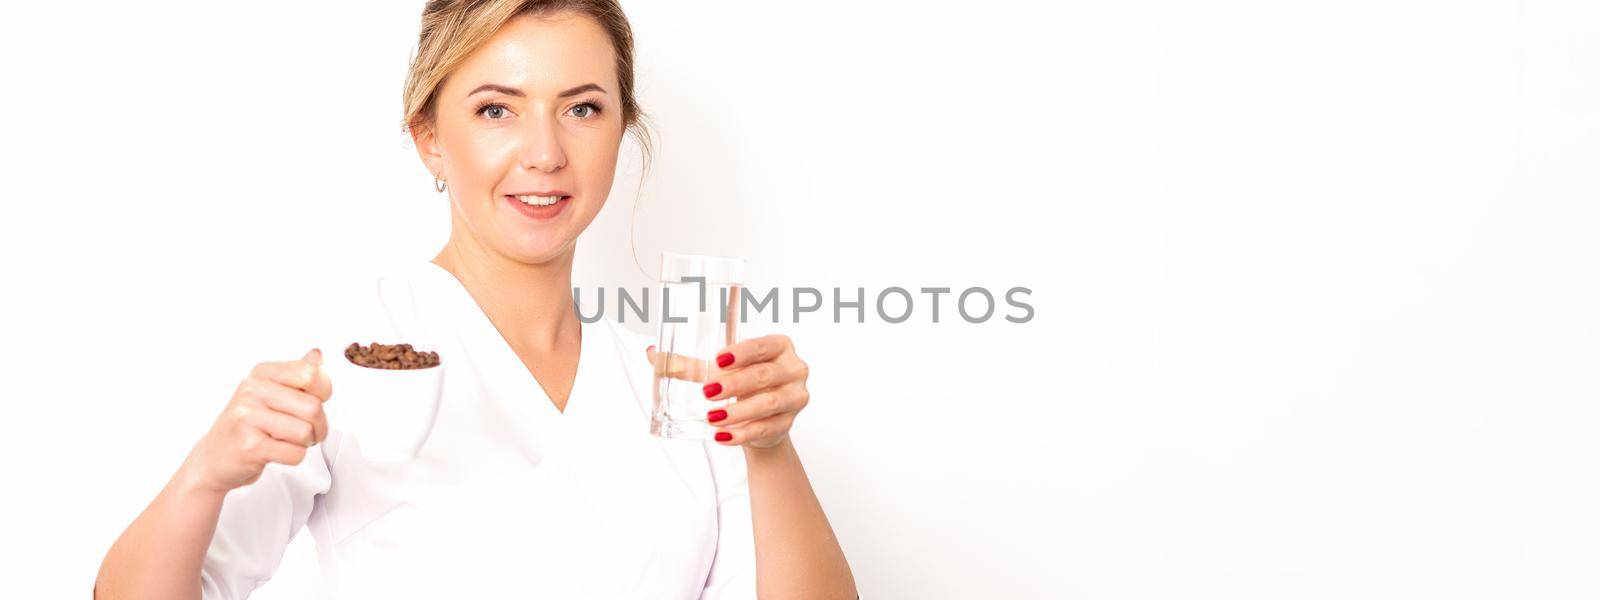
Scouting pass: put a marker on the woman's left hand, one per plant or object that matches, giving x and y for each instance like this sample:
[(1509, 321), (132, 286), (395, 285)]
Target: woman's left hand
[(769, 381)]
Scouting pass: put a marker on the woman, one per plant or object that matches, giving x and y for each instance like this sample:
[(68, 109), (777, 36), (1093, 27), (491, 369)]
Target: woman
[(538, 479)]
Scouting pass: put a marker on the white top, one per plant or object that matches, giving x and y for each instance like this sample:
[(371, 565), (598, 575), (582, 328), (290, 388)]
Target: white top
[(509, 496)]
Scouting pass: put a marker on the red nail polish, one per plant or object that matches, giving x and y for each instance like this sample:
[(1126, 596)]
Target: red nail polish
[(724, 359), (712, 389), (651, 348), (716, 415), (723, 436)]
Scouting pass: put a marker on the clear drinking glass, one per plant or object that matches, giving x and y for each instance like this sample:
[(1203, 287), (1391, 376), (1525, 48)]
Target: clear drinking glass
[(699, 316)]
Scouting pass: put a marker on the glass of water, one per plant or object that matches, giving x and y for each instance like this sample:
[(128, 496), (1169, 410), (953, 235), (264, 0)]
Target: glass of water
[(700, 298)]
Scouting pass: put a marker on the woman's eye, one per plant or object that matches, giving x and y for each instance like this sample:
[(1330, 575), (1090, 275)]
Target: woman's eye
[(589, 109), (493, 111)]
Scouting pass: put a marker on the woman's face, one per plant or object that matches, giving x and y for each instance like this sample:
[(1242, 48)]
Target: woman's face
[(536, 109)]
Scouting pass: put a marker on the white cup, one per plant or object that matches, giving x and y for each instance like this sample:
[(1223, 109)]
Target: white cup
[(389, 412)]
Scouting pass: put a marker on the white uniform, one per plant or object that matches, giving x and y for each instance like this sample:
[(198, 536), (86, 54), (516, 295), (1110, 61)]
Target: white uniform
[(509, 498)]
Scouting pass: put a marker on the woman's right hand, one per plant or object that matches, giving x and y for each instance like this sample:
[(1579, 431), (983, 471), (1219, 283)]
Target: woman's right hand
[(274, 416)]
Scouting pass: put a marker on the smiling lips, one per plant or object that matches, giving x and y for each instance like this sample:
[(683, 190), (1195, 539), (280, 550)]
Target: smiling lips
[(541, 198), (540, 205)]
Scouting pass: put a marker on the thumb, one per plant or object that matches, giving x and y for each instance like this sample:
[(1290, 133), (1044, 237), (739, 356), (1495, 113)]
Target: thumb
[(321, 386)]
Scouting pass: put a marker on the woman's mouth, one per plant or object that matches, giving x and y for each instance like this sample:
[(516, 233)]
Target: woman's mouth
[(539, 206)]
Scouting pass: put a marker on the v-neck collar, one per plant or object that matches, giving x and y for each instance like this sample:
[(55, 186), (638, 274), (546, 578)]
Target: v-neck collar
[(501, 362)]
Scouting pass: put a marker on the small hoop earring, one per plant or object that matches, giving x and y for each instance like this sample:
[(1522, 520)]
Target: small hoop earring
[(438, 185)]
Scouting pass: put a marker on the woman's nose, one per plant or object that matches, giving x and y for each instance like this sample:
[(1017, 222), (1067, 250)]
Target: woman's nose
[(543, 150)]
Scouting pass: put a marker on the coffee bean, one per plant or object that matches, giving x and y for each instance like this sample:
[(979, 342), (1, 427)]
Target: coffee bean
[(390, 356)]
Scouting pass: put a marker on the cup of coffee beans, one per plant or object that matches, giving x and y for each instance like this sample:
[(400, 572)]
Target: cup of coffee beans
[(385, 397)]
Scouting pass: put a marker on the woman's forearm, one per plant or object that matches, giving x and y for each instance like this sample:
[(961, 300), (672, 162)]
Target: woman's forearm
[(160, 555), (797, 555)]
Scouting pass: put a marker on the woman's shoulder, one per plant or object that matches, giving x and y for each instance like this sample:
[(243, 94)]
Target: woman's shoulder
[(631, 340)]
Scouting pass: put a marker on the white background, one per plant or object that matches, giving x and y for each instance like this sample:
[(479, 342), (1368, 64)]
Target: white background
[(1315, 282)]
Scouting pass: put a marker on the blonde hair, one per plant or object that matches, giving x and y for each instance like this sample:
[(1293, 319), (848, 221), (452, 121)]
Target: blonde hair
[(454, 29)]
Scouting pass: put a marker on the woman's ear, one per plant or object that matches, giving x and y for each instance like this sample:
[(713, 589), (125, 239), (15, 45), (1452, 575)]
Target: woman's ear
[(428, 149)]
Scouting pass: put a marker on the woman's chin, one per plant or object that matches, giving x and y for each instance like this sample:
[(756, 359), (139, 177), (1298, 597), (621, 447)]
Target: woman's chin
[(539, 251)]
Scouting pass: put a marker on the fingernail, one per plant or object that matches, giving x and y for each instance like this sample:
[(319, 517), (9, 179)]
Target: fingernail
[(314, 356), (712, 389), (723, 436), (724, 359), (652, 348), (716, 415)]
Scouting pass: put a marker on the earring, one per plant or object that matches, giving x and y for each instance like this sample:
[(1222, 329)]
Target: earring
[(438, 185)]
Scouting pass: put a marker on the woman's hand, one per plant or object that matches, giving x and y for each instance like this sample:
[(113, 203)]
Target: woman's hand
[(769, 381), (274, 416)]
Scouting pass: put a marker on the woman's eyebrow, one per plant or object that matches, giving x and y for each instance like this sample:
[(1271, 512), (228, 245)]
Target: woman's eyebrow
[(511, 91)]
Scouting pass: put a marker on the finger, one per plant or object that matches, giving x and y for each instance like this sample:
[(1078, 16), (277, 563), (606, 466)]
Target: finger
[(789, 398), (286, 427), (279, 451), (752, 351), (755, 378), (677, 366), (297, 374), (301, 405), (321, 386), (763, 433)]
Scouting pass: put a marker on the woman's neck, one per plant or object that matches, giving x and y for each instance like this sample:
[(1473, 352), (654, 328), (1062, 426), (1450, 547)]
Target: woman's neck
[(531, 305)]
